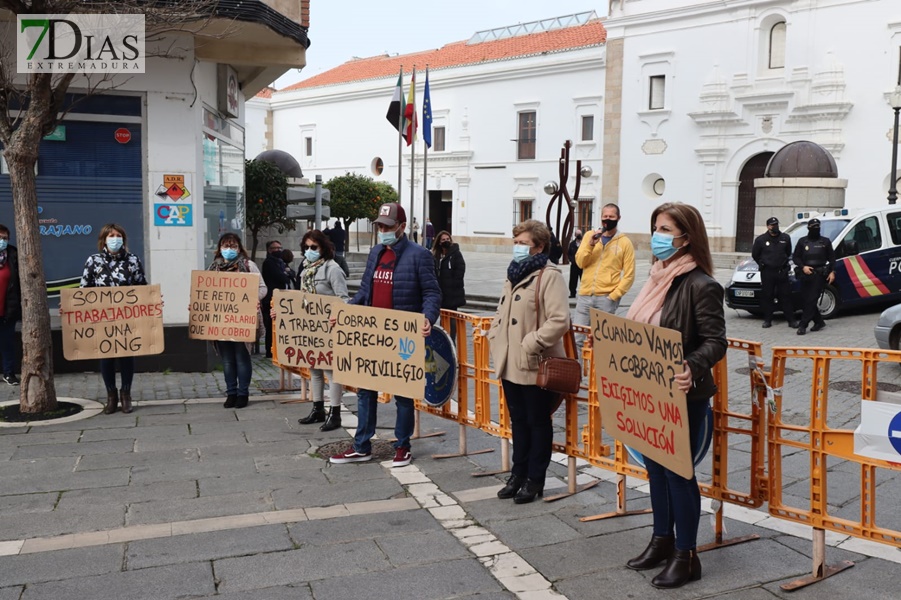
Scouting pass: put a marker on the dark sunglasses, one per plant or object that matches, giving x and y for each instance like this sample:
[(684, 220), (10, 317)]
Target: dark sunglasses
[(311, 247)]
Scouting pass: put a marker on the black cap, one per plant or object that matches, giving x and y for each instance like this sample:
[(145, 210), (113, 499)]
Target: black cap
[(772, 221), (814, 222)]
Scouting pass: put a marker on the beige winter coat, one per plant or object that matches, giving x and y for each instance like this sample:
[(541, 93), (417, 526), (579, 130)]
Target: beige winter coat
[(518, 337)]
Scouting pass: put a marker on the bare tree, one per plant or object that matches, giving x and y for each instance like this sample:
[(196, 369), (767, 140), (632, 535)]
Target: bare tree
[(31, 107)]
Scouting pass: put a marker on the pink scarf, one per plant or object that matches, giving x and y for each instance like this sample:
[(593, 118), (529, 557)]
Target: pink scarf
[(647, 306)]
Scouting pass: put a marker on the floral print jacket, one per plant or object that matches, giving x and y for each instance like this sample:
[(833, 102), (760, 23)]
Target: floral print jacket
[(107, 270)]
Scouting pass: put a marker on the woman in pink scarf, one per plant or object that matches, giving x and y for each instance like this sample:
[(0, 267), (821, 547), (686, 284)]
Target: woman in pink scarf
[(681, 294)]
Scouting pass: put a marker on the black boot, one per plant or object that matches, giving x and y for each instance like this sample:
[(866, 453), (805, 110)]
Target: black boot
[(683, 566), (125, 396), (230, 401), (528, 492), (660, 549), (514, 483), (241, 402), (333, 420), (317, 415), (112, 402)]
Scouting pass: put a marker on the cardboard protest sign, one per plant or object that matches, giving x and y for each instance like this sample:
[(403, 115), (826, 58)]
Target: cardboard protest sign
[(223, 306), (302, 336), (379, 349), (108, 322), (641, 405)]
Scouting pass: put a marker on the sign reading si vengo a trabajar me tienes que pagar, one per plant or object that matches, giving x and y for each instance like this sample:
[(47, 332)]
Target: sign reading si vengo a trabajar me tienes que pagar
[(80, 43)]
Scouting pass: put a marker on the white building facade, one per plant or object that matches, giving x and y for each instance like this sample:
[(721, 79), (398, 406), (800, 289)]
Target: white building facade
[(498, 126), (709, 90)]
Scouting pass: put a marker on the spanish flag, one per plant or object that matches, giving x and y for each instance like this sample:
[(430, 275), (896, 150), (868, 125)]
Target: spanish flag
[(410, 113)]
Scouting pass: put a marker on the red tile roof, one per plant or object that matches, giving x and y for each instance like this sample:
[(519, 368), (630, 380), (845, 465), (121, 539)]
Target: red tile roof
[(266, 92), (460, 53)]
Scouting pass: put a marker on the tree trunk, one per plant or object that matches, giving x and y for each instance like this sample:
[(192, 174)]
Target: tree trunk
[(38, 391)]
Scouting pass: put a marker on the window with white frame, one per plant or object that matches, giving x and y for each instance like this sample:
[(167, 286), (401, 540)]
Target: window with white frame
[(777, 46), (587, 128), (308, 146), (656, 92), (438, 139), (525, 210), (526, 135)]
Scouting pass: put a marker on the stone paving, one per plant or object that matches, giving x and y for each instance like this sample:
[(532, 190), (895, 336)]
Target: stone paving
[(185, 499)]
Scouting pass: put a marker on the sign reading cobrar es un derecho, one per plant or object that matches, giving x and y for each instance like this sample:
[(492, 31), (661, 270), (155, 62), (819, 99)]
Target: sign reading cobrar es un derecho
[(80, 43)]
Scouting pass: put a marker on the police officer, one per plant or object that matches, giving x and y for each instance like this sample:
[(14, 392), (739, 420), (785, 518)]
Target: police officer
[(814, 260), (772, 251)]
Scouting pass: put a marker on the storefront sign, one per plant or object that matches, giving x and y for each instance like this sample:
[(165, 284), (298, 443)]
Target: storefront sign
[(168, 215)]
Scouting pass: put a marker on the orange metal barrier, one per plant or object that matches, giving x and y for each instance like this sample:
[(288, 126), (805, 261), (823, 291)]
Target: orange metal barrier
[(794, 427)]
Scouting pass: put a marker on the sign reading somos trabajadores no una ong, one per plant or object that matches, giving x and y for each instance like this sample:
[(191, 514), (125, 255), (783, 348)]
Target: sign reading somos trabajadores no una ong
[(379, 349), (641, 406), (223, 306), (302, 331), (109, 322)]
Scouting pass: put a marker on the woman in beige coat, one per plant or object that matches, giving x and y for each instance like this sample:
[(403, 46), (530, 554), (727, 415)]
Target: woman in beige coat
[(519, 337)]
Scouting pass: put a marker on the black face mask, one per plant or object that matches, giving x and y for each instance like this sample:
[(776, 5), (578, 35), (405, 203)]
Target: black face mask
[(609, 224), (445, 244), (813, 232), (775, 231)]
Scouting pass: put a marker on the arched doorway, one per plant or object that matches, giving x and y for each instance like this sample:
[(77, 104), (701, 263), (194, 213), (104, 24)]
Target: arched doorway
[(747, 201)]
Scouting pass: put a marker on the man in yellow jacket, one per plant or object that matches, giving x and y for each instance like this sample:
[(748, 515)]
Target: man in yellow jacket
[(607, 260)]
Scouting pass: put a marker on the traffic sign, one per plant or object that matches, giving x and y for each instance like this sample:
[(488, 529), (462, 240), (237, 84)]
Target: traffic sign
[(123, 136)]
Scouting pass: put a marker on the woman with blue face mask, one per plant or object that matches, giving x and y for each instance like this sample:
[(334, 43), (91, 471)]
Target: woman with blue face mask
[(322, 275), (114, 266), (532, 318), (681, 294), (236, 365)]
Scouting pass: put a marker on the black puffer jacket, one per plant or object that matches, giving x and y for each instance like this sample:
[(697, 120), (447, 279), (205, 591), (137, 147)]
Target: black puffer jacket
[(694, 306), (13, 290), (451, 269)]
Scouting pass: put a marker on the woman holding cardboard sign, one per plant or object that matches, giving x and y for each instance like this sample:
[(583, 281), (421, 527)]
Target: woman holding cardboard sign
[(114, 266), (236, 365), (681, 294), (519, 338), (322, 275)]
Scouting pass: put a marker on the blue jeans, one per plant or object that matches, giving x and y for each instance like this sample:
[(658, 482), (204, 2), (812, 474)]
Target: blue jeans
[(583, 312), (237, 368), (108, 372), (367, 407), (8, 345), (533, 431), (676, 501)]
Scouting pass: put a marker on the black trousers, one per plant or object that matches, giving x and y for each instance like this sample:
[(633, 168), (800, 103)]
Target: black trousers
[(775, 284), (265, 308), (575, 273), (812, 287), (533, 432)]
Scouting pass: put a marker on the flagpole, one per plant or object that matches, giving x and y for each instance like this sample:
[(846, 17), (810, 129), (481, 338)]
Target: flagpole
[(412, 100), (400, 141), (425, 151)]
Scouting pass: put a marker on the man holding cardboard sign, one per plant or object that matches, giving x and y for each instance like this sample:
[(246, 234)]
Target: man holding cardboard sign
[(399, 275)]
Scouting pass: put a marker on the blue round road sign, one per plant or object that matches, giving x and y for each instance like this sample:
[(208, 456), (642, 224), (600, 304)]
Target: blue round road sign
[(440, 367), (894, 432)]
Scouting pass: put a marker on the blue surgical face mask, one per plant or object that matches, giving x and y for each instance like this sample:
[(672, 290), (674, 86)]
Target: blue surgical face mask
[(3, 245), (387, 237), (662, 245), (114, 243), (229, 253), (520, 252), (311, 255)]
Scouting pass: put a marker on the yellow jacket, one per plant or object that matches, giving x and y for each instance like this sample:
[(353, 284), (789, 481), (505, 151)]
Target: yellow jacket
[(606, 270)]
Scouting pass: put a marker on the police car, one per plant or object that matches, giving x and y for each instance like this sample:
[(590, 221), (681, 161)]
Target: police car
[(867, 246)]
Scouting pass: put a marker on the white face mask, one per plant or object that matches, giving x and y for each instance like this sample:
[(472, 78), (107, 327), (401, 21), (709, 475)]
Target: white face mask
[(388, 237), (114, 243)]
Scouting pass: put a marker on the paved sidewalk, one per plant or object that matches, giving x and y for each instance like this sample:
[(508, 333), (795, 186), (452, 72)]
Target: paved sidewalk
[(184, 498)]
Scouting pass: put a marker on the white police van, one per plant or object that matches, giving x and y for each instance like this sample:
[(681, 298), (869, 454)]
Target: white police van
[(867, 246)]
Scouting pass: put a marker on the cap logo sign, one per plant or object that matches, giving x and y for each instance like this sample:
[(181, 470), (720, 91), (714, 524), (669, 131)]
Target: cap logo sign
[(80, 43), (385, 211)]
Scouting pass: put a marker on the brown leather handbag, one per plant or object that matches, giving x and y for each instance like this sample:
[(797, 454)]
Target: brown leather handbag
[(556, 373)]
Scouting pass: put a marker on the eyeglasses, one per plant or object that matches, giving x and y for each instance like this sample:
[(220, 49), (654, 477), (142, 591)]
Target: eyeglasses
[(313, 247), (235, 246)]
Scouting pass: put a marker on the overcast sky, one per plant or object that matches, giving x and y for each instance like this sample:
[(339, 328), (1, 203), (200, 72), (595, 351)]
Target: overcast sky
[(343, 29)]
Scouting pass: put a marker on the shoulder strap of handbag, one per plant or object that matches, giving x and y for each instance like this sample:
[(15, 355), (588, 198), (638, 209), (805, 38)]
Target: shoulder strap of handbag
[(569, 331)]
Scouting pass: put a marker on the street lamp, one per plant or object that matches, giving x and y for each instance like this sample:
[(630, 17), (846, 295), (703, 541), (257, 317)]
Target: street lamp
[(895, 101)]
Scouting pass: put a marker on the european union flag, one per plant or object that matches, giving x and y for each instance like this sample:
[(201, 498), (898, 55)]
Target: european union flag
[(427, 113)]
